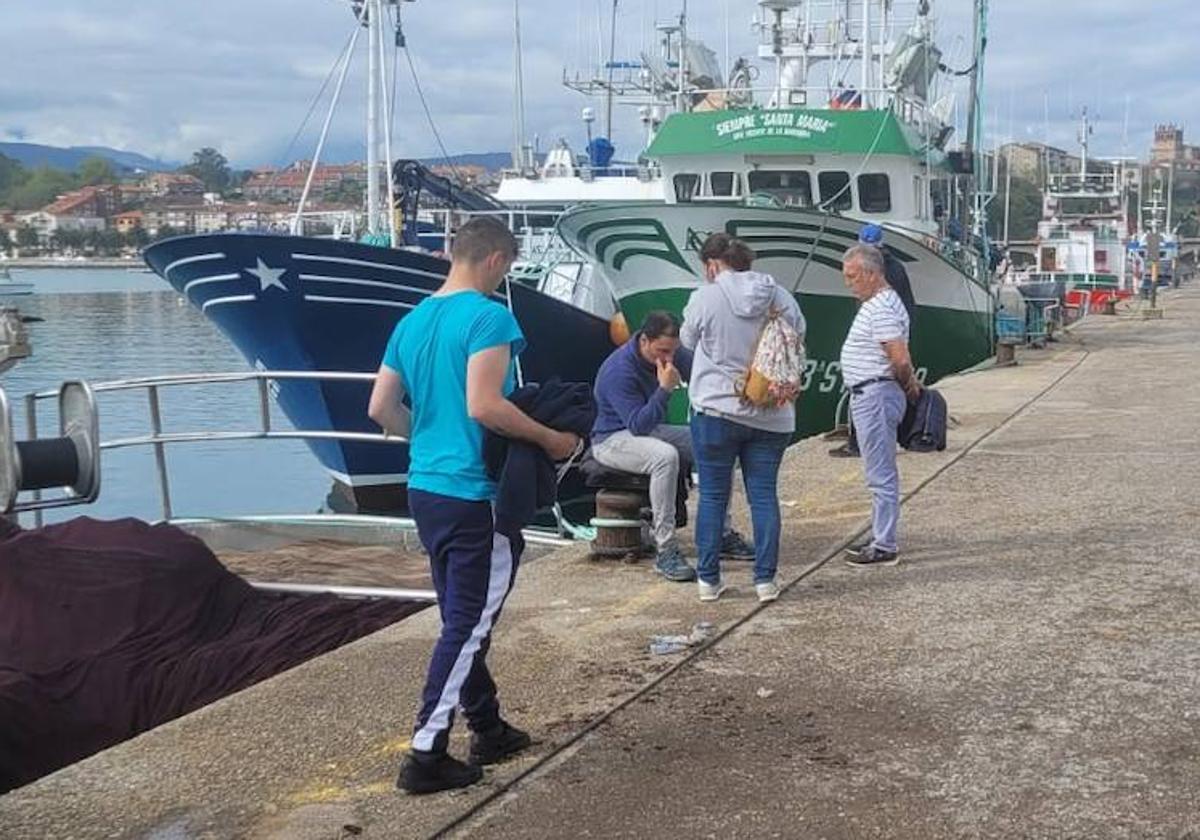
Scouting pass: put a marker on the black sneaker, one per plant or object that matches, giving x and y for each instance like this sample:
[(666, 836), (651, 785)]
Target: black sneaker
[(844, 451), (872, 556), (433, 772), (857, 549), (497, 744)]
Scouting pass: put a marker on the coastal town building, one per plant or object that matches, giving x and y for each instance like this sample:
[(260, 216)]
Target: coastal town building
[(100, 201), (1031, 161), (287, 185), (1170, 150), (127, 222), (177, 187), (213, 218), (47, 223), (179, 218)]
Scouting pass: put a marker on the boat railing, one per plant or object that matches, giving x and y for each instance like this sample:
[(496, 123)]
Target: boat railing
[(540, 246), (1092, 184), (265, 429), (818, 97), (586, 172), (159, 440)]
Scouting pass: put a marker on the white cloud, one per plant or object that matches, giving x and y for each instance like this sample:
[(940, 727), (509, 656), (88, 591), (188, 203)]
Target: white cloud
[(165, 77)]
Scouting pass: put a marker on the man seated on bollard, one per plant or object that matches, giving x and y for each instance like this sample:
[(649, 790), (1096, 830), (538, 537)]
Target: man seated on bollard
[(897, 277), (632, 390), (878, 372)]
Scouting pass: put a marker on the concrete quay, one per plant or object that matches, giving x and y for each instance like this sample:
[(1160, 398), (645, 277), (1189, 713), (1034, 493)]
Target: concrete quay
[(1030, 669)]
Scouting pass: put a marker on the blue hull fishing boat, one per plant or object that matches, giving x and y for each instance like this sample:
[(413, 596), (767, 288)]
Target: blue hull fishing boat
[(291, 302), (303, 303)]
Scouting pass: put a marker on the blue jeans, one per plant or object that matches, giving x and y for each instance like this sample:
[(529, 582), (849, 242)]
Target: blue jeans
[(719, 443), (877, 411)]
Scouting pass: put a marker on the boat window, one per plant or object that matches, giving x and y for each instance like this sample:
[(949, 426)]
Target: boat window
[(791, 187), (723, 184), (835, 190), (686, 186), (1049, 260), (874, 193)]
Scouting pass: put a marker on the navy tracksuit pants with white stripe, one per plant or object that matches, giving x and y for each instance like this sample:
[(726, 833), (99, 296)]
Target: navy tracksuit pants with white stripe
[(474, 568)]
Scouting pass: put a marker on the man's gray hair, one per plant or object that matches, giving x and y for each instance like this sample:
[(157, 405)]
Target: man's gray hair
[(867, 256)]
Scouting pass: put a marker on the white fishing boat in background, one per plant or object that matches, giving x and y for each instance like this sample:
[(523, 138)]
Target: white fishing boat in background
[(1082, 254)]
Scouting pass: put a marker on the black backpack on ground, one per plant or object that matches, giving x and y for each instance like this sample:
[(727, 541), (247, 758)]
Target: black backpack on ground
[(923, 428)]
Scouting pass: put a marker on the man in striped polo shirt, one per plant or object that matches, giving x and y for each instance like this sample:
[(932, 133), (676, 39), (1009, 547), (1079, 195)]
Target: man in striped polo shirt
[(878, 372)]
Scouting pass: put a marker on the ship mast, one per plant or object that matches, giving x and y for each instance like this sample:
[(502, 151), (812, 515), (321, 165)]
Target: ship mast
[(612, 49), (867, 49), (974, 129), (518, 154), (373, 8), (1084, 131)]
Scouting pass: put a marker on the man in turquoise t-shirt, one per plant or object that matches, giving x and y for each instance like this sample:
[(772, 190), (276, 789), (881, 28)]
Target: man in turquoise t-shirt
[(453, 356)]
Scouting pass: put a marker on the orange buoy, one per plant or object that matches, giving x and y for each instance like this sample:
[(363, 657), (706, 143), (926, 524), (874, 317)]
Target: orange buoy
[(618, 330)]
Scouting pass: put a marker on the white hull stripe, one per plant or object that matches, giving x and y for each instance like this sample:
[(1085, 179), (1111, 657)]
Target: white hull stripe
[(349, 261), (499, 579), (322, 278), (186, 260), (200, 281), (365, 301), (498, 294), (223, 300)]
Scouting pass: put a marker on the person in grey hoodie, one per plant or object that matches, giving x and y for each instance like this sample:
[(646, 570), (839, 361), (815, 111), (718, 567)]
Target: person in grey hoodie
[(721, 323)]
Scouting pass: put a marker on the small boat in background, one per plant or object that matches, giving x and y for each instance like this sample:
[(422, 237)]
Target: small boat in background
[(10, 287)]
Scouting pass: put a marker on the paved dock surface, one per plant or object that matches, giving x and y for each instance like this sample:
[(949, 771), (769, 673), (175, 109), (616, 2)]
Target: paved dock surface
[(1030, 669)]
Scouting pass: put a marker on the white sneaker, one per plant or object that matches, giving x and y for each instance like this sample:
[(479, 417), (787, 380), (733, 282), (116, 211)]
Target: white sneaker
[(711, 591), (767, 591)]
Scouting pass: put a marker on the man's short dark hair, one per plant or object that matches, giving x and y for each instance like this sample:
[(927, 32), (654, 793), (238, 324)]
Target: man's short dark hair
[(727, 249), (481, 237), (659, 324)]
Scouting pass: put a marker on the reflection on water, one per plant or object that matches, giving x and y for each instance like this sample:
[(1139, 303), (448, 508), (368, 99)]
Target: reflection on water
[(112, 324)]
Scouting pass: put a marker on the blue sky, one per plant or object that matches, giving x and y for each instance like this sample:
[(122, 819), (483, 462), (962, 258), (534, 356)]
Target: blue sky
[(166, 77)]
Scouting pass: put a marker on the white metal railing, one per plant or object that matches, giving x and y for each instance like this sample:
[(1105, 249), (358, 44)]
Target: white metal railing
[(1097, 184), (1061, 231), (909, 109), (159, 440), (584, 170), (541, 250)]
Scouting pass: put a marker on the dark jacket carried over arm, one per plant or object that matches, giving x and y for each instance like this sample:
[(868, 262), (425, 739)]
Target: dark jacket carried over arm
[(525, 475)]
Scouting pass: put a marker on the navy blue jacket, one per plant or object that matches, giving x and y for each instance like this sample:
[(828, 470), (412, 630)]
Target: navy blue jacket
[(627, 392), (524, 474)]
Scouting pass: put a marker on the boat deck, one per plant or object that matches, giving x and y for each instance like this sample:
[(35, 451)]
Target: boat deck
[(1029, 669)]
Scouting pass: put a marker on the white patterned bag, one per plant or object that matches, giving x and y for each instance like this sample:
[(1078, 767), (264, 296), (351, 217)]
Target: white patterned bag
[(777, 368)]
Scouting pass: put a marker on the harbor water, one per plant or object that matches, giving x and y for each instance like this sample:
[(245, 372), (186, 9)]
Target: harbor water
[(104, 324)]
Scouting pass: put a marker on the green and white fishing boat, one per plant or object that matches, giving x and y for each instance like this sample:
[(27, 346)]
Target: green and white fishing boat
[(796, 170)]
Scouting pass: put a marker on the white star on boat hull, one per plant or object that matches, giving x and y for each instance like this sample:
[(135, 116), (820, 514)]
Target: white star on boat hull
[(268, 276)]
